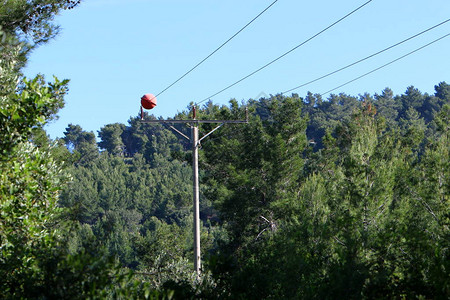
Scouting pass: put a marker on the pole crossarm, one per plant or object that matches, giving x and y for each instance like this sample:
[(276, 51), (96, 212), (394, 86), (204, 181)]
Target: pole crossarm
[(196, 121)]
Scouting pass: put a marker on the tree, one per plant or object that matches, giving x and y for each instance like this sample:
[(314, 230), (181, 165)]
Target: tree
[(411, 99), (371, 213), (253, 169), (30, 22), (34, 258), (442, 91), (111, 138), (427, 224), (81, 143), (413, 128), (387, 107)]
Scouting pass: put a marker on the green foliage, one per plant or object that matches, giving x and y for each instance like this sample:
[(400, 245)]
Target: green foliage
[(370, 221), (120, 201), (9, 64), (111, 140), (327, 114), (30, 179), (82, 144), (32, 107), (364, 202), (253, 170), (30, 21), (28, 208), (33, 261), (387, 107)]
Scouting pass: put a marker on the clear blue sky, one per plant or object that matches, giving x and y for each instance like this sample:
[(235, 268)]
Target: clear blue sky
[(114, 51)]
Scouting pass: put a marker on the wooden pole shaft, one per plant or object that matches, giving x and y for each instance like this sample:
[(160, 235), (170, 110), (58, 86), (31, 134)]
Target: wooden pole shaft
[(197, 258)]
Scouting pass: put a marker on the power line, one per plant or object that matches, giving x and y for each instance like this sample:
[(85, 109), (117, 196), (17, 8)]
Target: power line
[(212, 53), (391, 62), (367, 57), (286, 53)]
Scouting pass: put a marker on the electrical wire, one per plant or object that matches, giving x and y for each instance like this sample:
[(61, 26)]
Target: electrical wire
[(220, 47), (385, 65), (367, 57), (286, 53)]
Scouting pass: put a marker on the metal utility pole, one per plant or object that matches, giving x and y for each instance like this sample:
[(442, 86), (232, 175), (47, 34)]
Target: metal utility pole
[(195, 143)]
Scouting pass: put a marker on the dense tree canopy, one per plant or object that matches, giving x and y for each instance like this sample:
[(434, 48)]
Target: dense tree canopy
[(309, 196)]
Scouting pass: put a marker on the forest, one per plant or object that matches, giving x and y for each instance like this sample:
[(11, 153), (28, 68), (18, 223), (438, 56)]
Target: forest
[(338, 198)]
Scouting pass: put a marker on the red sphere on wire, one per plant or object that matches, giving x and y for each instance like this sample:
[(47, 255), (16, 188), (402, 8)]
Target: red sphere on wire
[(148, 101)]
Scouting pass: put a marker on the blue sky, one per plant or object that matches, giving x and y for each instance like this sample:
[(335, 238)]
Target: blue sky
[(114, 51)]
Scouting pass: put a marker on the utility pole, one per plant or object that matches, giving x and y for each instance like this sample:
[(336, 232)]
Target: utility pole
[(195, 143), (196, 198)]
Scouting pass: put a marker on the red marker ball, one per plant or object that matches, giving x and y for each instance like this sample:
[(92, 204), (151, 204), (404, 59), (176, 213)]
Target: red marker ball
[(148, 101)]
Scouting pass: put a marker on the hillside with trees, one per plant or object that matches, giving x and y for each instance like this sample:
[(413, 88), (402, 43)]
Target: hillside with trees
[(344, 197), (308, 197)]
